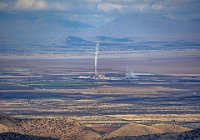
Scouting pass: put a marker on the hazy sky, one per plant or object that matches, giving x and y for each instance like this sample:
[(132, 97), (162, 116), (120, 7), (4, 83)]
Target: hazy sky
[(136, 18)]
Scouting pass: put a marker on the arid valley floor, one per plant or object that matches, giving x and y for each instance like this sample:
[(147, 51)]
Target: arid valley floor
[(54, 94)]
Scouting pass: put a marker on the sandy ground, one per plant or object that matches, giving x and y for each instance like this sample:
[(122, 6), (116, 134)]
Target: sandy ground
[(160, 117), (106, 90), (165, 62)]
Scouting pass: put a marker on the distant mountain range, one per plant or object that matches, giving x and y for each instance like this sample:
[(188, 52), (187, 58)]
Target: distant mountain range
[(43, 27), (78, 41), (147, 28), (78, 44), (103, 40), (108, 42), (113, 39)]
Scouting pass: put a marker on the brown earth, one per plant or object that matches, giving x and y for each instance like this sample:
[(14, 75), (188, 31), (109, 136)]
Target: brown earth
[(189, 135), (106, 90), (103, 129), (140, 130), (62, 128), (168, 128), (165, 62), (133, 130), (3, 128)]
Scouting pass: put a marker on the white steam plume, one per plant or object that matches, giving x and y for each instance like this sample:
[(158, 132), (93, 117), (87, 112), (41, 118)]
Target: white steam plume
[(96, 58)]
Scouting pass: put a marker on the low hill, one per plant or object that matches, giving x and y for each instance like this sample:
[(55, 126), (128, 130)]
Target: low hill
[(7, 120), (61, 128), (168, 128), (3, 128), (64, 128), (140, 130), (133, 130), (189, 135)]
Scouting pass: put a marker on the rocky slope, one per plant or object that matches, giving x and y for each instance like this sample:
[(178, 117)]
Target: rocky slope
[(64, 128), (60, 128)]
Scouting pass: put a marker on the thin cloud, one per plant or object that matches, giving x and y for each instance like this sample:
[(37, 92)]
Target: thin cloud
[(33, 5), (111, 7), (102, 5)]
